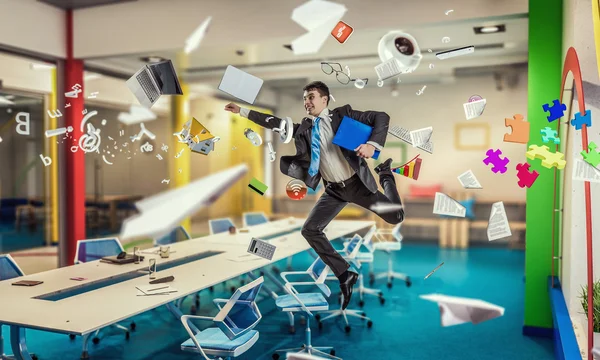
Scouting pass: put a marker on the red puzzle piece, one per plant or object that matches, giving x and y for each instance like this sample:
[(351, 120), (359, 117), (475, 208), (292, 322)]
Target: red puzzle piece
[(526, 178)]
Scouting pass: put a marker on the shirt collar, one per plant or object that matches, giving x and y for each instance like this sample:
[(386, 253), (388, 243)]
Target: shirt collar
[(323, 115)]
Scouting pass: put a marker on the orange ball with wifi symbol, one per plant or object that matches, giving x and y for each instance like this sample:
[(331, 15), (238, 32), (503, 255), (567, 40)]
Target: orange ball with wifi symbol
[(296, 189)]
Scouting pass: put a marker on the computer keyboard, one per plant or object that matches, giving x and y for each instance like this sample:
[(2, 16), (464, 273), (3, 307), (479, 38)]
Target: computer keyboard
[(148, 86)]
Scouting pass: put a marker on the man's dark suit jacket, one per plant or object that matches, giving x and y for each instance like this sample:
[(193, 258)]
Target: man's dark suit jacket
[(297, 165)]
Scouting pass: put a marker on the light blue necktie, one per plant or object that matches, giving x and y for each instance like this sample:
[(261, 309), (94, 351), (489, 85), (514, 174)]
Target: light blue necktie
[(315, 149)]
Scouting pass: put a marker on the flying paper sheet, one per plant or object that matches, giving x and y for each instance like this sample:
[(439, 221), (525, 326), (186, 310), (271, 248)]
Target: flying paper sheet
[(240, 84), (404, 135), (457, 310), (445, 205), (318, 17), (469, 181), (193, 42), (421, 137), (474, 109), (582, 171), (498, 226), (160, 214)]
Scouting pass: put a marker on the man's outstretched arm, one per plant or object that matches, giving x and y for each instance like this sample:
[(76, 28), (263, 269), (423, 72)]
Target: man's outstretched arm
[(264, 120)]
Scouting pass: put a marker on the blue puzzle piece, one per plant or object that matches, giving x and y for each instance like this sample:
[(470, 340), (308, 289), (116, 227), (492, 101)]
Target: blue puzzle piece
[(556, 111), (580, 120)]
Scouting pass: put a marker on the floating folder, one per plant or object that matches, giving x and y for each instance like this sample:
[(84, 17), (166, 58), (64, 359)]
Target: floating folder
[(351, 134)]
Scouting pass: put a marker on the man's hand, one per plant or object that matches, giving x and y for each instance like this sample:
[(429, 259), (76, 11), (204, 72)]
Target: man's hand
[(365, 151), (233, 108)]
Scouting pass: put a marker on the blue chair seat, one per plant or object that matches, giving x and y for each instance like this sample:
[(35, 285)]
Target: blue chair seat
[(309, 300), (214, 339)]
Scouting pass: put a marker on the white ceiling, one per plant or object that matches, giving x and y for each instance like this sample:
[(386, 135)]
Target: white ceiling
[(265, 56)]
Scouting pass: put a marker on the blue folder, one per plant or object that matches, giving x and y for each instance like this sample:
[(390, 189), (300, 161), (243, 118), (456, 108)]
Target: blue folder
[(351, 134)]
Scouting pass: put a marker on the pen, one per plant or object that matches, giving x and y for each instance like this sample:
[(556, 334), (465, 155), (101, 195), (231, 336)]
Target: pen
[(434, 270), (164, 287)]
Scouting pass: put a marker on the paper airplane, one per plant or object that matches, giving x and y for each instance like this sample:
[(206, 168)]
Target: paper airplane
[(193, 42), (198, 138), (136, 114), (4, 100), (318, 17), (457, 310), (382, 207), (161, 213)]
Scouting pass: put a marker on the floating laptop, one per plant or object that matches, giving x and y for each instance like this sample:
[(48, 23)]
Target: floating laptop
[(154, 80)]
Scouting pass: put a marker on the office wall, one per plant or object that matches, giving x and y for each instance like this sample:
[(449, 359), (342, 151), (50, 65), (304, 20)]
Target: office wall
[(33, 26), (440, 106), (578, 33)]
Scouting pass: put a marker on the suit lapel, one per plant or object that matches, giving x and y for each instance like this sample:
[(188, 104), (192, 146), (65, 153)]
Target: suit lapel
[(305, 125), (335, 121)]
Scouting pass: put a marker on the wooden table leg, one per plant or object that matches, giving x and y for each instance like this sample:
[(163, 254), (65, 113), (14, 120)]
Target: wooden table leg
[(114, 227)]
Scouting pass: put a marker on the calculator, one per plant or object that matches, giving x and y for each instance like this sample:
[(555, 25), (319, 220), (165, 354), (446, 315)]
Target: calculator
[(261, 248)]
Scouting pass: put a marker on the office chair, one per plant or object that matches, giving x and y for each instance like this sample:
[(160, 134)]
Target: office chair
[(350, 254), (92, 250), (306, 303), (254, 218), (217, 226), (388, 245), (235, 333), (9, 269)]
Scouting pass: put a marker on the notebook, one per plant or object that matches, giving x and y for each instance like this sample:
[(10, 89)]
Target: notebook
[(27, 283), (240, 84), (127, 260), (351, 134)]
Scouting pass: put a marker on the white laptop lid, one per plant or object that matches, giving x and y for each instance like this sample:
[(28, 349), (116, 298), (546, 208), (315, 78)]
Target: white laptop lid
[(240, 84)]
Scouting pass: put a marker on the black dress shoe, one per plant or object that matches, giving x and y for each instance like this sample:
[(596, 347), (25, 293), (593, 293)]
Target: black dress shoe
[(347, 286), (384, 167)]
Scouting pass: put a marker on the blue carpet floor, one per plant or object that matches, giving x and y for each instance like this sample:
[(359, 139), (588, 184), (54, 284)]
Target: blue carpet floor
[(405, 327)]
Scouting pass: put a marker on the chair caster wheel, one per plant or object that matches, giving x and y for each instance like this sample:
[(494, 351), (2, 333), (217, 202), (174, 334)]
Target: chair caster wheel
[(127, 335), (408, 282), (347, 329), (193, 310), (371, 282), (318, 317), (389, 285), (34, 357), (382, 301), (211, 289), (197, 300), (370, 324), (292, 330), (132, 326), (275, 356), (276, 270), (71, 336), (320, 325), (363, 318), (332, 352), (361, 303), (303, 320), (96, 340), (232, 289)]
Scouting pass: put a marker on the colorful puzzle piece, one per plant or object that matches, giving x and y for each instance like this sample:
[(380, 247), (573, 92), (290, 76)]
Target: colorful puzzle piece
[(549, 159), (526, 178), (493, 157), (549, 134), (593, 157), (580, 120), (556, 111), (519, 129)]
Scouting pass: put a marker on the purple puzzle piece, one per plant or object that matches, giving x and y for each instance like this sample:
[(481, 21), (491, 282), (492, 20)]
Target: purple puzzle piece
[(556, 111), (580, 120), (493, 157)]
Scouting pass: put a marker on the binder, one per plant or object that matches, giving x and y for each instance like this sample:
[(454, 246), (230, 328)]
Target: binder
[(351, 134)]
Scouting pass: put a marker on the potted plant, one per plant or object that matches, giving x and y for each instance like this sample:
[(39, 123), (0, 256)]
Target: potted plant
[(596, 310)]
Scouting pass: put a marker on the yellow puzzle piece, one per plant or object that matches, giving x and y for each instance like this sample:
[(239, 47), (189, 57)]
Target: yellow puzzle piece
[(549, 159)]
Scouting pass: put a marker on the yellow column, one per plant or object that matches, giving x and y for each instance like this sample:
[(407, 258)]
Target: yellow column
[(52, 171), (180, 108)]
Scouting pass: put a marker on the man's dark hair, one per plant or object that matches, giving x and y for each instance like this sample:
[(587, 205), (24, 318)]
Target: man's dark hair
[(320, 87)]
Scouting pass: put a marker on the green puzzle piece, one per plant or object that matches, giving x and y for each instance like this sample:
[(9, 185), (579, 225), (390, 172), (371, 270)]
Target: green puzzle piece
[(593, 157)]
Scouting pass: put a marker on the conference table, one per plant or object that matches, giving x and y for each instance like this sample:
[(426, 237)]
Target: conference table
[(109, 294)]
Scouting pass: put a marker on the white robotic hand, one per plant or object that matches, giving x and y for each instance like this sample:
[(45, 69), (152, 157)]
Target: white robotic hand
[(253, 137), (285, 130)]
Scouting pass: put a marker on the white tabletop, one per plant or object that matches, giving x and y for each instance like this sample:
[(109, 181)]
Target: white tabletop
[(86, 312)]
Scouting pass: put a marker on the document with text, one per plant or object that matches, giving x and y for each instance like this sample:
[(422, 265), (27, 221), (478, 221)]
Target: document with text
[(404, 135), (474, 109), (469, 181), (445, 205), (421, 136), (498, 226), (583, 171)]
